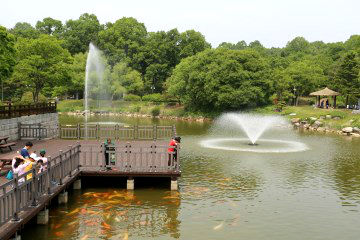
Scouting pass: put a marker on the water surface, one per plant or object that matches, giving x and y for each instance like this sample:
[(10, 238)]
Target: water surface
[(312, 194)]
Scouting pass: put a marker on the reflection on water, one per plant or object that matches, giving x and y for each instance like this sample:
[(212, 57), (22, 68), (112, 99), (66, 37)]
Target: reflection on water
[(314, 194)]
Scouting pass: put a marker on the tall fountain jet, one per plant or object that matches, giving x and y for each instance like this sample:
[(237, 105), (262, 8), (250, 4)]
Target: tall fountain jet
[(96, 94)]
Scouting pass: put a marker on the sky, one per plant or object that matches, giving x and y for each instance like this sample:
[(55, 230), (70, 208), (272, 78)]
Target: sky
[(272, 22)]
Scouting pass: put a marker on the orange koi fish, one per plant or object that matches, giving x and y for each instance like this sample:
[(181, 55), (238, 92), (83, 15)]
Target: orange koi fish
[(105, 225), (59, 234), (84, 237)]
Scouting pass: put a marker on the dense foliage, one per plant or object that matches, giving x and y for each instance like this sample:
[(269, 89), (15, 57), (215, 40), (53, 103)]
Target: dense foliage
[(49, 60)]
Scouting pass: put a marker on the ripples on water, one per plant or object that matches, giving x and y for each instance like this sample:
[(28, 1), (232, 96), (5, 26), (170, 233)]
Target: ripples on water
[(314, 194)]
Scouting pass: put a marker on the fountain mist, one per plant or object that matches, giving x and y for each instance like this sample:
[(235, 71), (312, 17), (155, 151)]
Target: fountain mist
[(96, 93), (254, 125)]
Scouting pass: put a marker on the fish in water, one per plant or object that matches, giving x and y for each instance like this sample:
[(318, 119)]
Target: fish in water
[(73, 212), (218, 227), (84, 237), (126, 236), (59, 234), (105, 225), (117, 219)]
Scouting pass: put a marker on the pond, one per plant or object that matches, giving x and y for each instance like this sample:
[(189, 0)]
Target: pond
[(313, 193)]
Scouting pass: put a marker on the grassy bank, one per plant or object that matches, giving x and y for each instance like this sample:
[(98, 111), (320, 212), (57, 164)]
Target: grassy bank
[(140, 107), (340, 118)]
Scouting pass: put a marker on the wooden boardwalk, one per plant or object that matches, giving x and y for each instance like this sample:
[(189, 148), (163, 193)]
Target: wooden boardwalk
[(69, 160)]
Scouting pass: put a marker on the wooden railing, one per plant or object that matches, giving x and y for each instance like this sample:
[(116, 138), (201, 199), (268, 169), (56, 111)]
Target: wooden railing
[(12, 111), (125, 158), (25, 190), (37, 131), (116, 132)]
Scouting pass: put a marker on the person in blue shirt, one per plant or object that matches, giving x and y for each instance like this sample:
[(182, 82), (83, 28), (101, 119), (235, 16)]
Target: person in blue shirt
[(25, 151)]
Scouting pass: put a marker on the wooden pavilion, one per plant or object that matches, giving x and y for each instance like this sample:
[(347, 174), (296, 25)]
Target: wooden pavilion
[(322, 97)]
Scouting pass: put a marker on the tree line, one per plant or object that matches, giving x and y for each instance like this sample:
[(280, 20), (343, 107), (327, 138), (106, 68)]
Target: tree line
[(48, 60)]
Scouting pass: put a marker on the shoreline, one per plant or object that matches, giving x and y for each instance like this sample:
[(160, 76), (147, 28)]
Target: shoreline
[(139, 115), (311, 124)]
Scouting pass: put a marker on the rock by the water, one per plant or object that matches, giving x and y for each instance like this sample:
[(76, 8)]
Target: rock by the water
[(328, 117), (317, 124), (336, 118), (292, 114), (347, 130), (313, 118), (295, 120), (356, 130)]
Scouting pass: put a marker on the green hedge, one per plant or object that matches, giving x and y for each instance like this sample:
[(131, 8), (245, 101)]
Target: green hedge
[(132, 97), (155, 97)]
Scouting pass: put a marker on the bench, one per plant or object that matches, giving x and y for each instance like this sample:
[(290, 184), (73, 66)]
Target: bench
[(7, 145), (5, 165)]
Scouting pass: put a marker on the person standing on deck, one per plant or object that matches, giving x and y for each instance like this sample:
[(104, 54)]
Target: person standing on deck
[(25, 151), (172, 150), (108, 146)]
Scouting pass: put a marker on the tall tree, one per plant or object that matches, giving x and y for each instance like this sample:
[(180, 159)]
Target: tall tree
[(42, 62), (7, 56), (24, 30), (122, 40), (192, 42), (123, 77), (79, 33), (347, 80), (49, 26), (221, 80)]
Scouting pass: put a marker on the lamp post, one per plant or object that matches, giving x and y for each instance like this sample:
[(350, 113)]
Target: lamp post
[(152, 88), (294, 96)]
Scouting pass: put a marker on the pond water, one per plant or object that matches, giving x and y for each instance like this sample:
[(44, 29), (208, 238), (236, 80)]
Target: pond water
[(224, 194)]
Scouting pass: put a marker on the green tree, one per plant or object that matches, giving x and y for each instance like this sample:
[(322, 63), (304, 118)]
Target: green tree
[(305, 77), (49, 26), (7, 56), (347, 77), (42, 62), (125, 78), (121, 41), (24, 30), (79, 33), (192, 42), (78, 75), (221, 79)]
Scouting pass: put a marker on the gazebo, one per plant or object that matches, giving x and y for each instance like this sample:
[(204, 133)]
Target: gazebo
[(322, 97)]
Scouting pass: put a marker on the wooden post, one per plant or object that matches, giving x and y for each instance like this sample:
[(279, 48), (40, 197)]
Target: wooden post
[(48, 168), (35, 189), (70, 160), (335, 101), (61, 167), (17, 199), (155, 132), (78, 131)]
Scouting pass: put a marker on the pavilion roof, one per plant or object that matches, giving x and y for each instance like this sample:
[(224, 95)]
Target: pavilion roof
[(325, 92)]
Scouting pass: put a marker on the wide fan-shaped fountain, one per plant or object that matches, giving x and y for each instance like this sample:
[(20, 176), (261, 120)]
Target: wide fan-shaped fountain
[(253, 125), (228, 131)]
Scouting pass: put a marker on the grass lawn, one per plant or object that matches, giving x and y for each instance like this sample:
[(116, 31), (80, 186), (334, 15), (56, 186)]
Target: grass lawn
[(166, 109), (347, 119)]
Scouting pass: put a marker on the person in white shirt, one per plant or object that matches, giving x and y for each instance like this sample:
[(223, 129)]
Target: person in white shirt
[(19, 167)]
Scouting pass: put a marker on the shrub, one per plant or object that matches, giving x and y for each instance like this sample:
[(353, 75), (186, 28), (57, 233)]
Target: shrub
[(135, 109), (155, 111), (27, 98), (132, 97), (155, 97)]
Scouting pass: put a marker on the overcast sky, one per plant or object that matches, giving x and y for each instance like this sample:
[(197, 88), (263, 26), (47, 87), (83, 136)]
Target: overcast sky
[(272, 22)]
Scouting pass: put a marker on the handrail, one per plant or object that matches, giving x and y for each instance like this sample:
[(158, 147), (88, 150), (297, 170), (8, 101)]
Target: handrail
[(12, 111), (116, 132), (26, 189)]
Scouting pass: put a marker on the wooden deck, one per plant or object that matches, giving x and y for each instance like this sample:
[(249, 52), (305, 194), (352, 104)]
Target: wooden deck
[(70, 160)]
